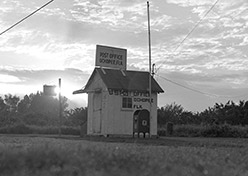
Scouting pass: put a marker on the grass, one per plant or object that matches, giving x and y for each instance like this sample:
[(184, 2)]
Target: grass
[(21, 128), (178, 130), (36, 156), (224, 130)]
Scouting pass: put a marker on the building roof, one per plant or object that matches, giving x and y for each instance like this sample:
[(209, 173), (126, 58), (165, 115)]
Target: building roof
[(123, 80)]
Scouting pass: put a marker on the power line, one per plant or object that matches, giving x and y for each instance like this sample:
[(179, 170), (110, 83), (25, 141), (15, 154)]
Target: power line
[(23, 19), (198, 91), (185, 38), (190, 32), (180, 85)]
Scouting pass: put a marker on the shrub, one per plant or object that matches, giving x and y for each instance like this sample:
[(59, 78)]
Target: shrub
[(16, 129), (187, 130), (239, 131), (70, 131), (35, 119), (224, 131), (206, 131), (169, 128), (162, 131), (25, 129), (55, 130)]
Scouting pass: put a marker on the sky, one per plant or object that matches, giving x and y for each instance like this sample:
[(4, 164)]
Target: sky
[(208, 67)]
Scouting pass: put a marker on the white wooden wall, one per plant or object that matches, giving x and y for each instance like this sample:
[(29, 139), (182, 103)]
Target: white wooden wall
[(106, 115)]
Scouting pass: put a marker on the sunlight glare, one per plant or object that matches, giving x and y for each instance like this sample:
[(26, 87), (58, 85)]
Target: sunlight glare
[(57, 90)]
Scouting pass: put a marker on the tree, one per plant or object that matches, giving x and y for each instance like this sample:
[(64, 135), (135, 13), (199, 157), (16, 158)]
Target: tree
[(2, 105), (24, 104), (77, 116), (170, 113), (47, 105), (230, 113), (11, 102)]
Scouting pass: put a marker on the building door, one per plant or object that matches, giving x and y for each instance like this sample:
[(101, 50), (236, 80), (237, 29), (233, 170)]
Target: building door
[(97, 112), (141, 122)]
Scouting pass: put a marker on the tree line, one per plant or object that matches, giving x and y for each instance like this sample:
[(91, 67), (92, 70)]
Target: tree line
[(38, 109), (41, 110), (230, 113)]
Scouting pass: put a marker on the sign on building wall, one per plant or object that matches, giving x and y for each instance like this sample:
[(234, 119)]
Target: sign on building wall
[(111, 57), (132, 99)]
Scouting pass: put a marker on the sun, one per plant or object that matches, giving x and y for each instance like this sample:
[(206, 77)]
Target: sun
[(64, 91), (57, 90), (67, 91)]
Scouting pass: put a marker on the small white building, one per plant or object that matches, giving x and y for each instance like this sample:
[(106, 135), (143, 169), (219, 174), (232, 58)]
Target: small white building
[(118, 102)]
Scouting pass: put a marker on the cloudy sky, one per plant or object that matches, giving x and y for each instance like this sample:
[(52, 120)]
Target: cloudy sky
[(60, 41)]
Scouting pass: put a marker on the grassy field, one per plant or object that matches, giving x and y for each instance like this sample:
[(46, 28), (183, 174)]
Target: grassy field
[(99, 156)]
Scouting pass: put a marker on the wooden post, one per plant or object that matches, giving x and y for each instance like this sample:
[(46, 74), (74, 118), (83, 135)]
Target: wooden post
[(60, 108), (150, 68)]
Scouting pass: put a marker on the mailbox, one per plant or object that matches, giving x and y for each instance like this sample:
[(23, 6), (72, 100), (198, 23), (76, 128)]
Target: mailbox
[(141, 122)]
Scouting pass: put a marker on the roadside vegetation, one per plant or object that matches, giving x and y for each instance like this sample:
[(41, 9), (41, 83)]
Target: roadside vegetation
[(221, 120), (50, 155), (38, 114)]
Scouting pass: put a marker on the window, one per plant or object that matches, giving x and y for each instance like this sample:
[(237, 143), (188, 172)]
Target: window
[(127, 102)]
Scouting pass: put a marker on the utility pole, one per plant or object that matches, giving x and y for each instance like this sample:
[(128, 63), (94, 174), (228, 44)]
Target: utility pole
[(150, 69), (60, 108)]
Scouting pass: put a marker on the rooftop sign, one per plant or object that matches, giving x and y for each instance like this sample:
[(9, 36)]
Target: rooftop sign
[(111, 57)]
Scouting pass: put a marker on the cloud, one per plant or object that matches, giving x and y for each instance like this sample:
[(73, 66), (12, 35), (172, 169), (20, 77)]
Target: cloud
[(65, 33), (55, 41), (9, 79), (24, 76), (226, 85), (111, 15), (186, 3), (23, 81), (216, 44)]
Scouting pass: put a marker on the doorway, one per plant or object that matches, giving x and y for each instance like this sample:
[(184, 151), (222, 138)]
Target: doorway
[(141, 122)]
